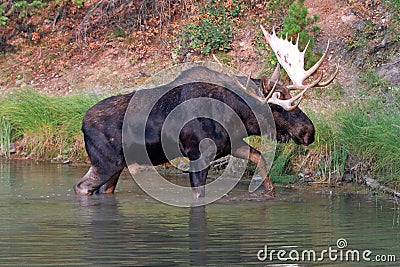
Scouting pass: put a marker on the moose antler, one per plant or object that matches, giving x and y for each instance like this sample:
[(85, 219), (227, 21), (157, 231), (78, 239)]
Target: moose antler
[(272, 97), (292, 60)]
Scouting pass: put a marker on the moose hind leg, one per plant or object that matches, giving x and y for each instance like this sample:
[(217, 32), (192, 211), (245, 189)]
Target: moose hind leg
[(109, 186), (106, 159), (250, 153), (98, 181)]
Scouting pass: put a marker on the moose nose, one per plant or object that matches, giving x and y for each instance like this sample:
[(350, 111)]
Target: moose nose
[(308, 138)]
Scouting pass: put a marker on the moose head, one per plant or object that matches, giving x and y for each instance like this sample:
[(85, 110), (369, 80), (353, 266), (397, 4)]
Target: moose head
[(290, 121)]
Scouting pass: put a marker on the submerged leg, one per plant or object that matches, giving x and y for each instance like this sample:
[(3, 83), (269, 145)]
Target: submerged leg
[(110, 185), (107, 162), (198, 182), (200, 157), (98, 181), (250, 153)]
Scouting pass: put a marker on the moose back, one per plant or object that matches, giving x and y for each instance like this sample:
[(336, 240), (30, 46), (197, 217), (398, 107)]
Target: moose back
[(241, 115)]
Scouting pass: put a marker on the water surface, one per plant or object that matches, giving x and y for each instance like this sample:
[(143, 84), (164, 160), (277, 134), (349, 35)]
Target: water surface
[(44, 224)]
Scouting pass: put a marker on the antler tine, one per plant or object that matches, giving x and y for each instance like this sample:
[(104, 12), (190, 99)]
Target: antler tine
[(229, 74), (319, 62), (327, 82), (248, 81), (288, 103), (315, 83), (217, 60), (276, 75), (235, 79), (272, 90), (305, 49)]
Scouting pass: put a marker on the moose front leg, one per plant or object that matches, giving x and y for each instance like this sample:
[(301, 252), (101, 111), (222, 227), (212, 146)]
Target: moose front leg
[(198, 182), (250, 153)]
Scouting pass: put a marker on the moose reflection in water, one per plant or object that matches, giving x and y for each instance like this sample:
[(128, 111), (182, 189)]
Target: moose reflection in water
[(103, 123), (141, 241)]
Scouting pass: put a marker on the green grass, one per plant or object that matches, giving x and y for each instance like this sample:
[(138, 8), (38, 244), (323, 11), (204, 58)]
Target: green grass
[(371, 134), (361, 137), (328, 155), (5, 136), (46, 126)]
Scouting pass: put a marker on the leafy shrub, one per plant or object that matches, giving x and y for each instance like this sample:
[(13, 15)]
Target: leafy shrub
[(26, 8), (3, 18), (211, 29), (79, 2), (394, 29), (278, 10)]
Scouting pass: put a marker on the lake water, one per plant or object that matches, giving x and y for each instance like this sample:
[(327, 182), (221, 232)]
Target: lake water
[(42, 223)]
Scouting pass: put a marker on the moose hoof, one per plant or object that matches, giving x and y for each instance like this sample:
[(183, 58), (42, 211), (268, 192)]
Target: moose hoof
[(271, 192), (198, 192), (270, 189)]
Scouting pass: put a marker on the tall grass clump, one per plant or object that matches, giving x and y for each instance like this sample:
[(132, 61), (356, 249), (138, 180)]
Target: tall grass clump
[(327, 155), (371, 134), (46, 126), (5, 137), (284, 162)]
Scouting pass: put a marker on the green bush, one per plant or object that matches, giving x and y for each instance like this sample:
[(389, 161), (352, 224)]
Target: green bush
[(26, 8), (211, 29), (3, 18), (278, 10), (394, 28), (79, 2)]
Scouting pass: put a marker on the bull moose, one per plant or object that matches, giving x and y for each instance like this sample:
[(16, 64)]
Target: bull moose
[(103, 123)]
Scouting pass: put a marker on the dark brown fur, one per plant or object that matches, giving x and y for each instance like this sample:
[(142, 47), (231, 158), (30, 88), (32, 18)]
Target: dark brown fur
[(102, 128)]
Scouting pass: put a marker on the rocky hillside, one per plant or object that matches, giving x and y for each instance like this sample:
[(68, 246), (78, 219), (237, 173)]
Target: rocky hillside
[(106, 46)]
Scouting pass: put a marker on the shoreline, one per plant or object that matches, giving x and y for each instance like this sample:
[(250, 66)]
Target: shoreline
[(367, 185)]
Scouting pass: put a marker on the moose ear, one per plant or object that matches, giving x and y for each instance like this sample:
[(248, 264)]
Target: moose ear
[(276, 76), (265, 85)]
